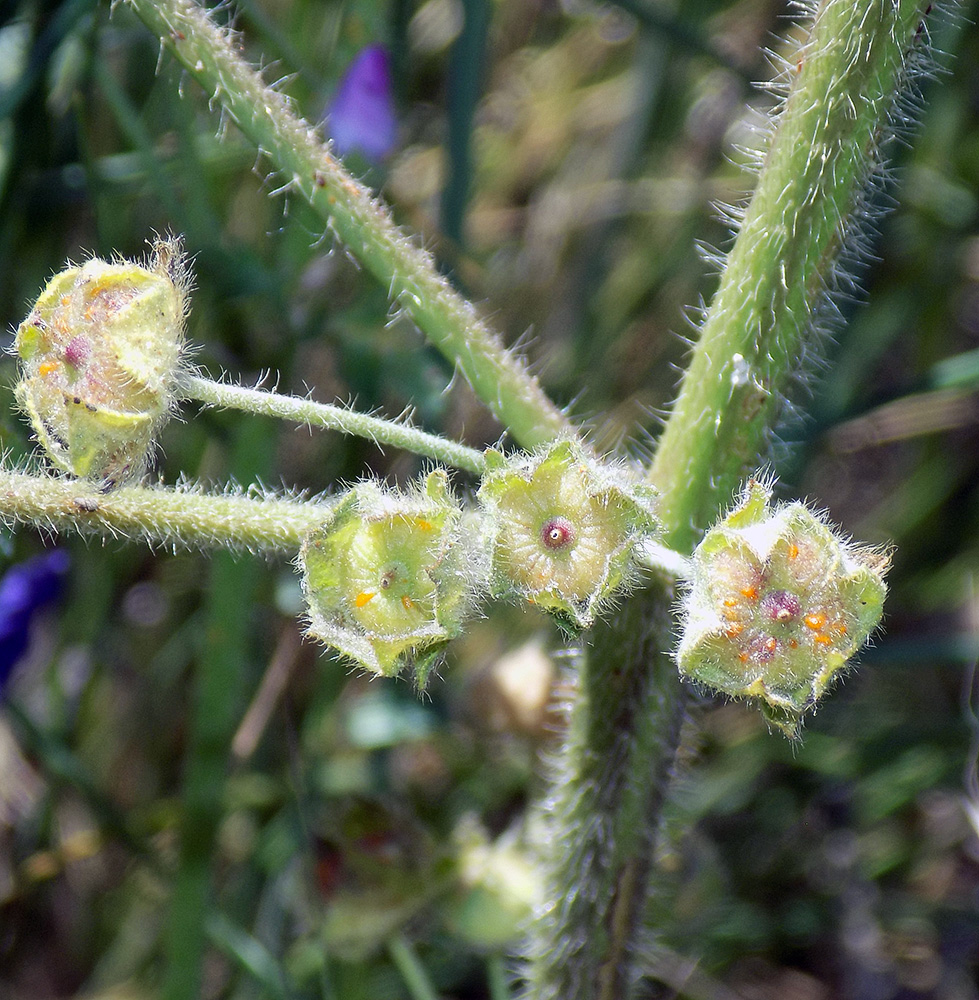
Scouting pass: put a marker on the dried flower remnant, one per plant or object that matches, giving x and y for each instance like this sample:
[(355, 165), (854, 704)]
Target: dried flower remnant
[(389, 580), (564, 529), (777, 604), (361, 115), (99, 356)]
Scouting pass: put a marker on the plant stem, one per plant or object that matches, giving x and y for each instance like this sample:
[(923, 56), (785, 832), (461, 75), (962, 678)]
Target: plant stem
[(653, 556), (496, 975), (412, 971), (499, 377), (220, 670), (305, 411), (168, 517), (614, 773), (776, 284), (624, 726)]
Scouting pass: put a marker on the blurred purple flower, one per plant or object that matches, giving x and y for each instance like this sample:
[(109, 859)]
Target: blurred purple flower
[(361, 114), (24, 590)]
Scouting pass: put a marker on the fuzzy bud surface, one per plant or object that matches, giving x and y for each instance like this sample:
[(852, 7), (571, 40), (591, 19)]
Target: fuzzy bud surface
[(99, 353), (387, 579), (564, 528), (777, 604)]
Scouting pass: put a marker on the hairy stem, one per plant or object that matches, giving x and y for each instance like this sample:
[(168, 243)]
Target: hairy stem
[(625, 720), (499, 377), (305, 411), (615, 771), (779, 276), (169, 517)]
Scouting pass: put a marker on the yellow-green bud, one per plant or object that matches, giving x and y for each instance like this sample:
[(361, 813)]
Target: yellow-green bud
[(99, 355), (777, 604), (388, 579), (563, 529)]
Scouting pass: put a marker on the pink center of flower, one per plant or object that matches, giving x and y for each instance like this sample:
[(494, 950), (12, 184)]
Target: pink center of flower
[(781, 606), (557, 533), (77, 351)]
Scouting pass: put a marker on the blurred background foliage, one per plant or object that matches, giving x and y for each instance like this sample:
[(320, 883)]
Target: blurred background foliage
[(168, 737)]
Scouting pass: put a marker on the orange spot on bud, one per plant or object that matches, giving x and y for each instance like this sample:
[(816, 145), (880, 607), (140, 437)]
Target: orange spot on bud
[(793, 550), (823, 639), (793, 644), (733, 631), (407, 603), (422, 524), (771, 644), (46, 367), (364, 598), (839, 628), (816, 622), (750, 592), (730, 602)]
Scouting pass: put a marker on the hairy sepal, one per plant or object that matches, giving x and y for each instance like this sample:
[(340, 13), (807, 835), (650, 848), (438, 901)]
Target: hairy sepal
[(777, 605), (564, 529), (390, 577), (99, 356)]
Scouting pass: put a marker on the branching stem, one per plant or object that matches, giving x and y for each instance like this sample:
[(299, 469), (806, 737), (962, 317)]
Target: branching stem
[(336, 418), (168, 517), (781, 271), (498, 376), (624, 721)]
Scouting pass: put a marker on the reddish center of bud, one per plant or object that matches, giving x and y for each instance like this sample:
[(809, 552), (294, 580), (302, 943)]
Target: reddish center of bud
[(557, 533), (77, 351), (781, 606)]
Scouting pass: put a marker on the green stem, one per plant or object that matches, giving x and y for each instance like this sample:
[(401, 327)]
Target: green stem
[(615, 770), (496, 976), (684, 32), (249, 953), (653, 556), (413, 973), (464, 89), (499, 377), (219, 673), (624, 726), (170, 517), (774, 288), (305, 411)]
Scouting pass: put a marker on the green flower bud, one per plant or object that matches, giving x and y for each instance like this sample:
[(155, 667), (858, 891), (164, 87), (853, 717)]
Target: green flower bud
[(99, 354), (776, 606), (388, 580), (564, 529)]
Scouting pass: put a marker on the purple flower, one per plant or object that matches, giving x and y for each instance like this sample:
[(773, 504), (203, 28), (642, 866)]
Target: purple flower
[(24, 590), (361, 114)]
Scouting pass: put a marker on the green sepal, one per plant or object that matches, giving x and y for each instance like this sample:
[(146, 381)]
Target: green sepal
[(389, 579), (99, 354), (777, 605), (564, 528)]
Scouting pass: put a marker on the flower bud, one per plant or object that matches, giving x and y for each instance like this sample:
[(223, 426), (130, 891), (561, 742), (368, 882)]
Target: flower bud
[(564, 528), (776, 606), (388, 579), (99, 353)]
